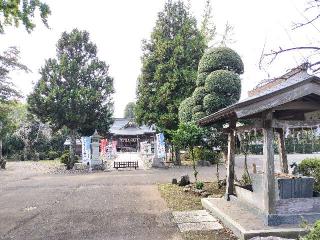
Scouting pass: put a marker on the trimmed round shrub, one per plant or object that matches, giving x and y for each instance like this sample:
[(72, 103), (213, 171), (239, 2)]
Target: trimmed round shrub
[(185, 110), (198, 116), (311, 167), (201, 79), (198, 95), (224, 84), (52, 155), (221, 58), (197, 108), (212, 103)]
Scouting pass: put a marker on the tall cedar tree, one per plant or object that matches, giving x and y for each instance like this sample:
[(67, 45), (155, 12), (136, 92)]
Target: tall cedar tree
[(74, 90), (169, 66), (129, 110)]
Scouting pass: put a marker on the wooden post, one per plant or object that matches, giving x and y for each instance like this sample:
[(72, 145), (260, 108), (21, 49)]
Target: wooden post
[(231, 157), (268, 166), (282, 151)]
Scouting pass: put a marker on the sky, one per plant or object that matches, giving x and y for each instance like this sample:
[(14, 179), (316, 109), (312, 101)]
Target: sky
[(117, 27)]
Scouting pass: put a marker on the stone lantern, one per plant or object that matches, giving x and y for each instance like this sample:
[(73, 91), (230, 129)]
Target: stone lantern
[(95, 157)]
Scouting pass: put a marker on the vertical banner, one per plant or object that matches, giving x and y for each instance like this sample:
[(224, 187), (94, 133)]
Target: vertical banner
[(86, 149), (103, 148), (114, 148), (161, 149)]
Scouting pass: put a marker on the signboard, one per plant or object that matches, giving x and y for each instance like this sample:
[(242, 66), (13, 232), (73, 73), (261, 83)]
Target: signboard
[(86, 149), (161, 148)]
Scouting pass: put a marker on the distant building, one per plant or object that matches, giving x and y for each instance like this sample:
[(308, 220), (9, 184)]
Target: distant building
[(129, 135)]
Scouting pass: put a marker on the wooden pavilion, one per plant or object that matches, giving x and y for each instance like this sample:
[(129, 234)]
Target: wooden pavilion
[(289, 102)]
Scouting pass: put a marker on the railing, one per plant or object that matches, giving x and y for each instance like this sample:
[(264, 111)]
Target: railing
[(118, 165)]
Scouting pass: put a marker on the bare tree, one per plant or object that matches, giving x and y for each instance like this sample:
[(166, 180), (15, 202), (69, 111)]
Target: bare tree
[(310, 52)]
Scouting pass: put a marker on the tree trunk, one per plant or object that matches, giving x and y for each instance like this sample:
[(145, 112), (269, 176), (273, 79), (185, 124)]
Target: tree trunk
[(2, 161), (72, 155), (177, 153), (195, 172), (25, 153)]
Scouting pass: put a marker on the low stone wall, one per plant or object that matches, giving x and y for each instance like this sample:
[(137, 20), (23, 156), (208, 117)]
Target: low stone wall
[(249, 198), (298, 205)]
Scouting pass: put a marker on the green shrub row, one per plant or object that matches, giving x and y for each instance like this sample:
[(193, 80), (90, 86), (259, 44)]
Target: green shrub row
[(311, 167)]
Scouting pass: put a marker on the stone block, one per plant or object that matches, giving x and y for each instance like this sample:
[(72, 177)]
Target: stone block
[(295, 187)]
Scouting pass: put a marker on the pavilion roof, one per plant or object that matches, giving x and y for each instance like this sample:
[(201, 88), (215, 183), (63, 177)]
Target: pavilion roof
[(127, 127), (294, 87)]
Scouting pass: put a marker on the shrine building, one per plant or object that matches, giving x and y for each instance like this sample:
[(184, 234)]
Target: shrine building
[(129, 134)]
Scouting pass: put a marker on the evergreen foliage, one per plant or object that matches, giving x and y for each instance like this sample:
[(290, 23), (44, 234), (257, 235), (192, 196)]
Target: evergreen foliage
[(221, 58), (218, 82), (74, 90), (169, 67), (189, 135), (129, 110), (185, 110)]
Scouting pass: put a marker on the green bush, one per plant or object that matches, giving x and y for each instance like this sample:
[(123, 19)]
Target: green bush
[(201, 79), (43, 155), (185, 110), (311, 167), (64, 158), (206, 154), (211, 103), (314, 234), (198, 115), (224, 84), (220, 58), (52, 155), (256, 149), (199, 185), (198, 95), (197, 108)]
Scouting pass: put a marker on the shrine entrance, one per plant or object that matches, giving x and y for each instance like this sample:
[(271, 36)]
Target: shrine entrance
[(128, 135), (128, 143)]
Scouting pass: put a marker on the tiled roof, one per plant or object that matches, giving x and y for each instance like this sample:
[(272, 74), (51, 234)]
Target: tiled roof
[(123, 126)]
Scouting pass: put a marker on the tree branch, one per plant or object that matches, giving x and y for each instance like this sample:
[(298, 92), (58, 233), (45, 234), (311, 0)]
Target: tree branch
[(273, 52)]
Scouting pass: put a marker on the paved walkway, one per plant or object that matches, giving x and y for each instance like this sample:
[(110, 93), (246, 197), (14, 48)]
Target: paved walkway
[(104, 205), (113, 206)]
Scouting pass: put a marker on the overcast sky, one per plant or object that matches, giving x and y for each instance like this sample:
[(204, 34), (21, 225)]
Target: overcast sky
[(118, 26)]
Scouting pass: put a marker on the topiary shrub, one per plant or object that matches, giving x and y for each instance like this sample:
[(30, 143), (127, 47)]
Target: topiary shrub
[(221, 58), (311, 167), (198, 115), (198, 95), (211, 102), (314, 234), (185, 110), (201, 79), (196, 109), (224, 83)]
